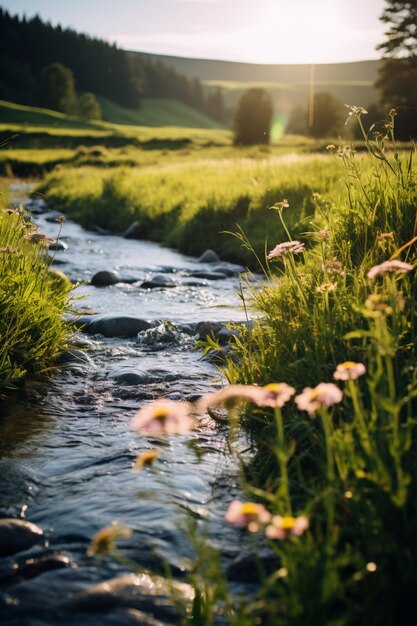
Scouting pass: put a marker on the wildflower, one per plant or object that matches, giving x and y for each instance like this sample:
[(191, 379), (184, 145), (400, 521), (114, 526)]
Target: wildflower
[(324, 395), (326, 287), (377, 306), (281, 527), (38, 237), (145, 459), (9, 250), (278, 206), (349, 370), (389, 267), (323, 234), (60, 219), (247, 514), (354, 110), (230, 395), (333, 267), (103, 542), (163, 417), (386, 236), (285, 249), (330, 147), (275, 395)]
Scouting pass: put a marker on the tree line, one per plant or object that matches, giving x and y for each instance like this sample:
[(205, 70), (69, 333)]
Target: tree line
[(29, 46), (325, 116)]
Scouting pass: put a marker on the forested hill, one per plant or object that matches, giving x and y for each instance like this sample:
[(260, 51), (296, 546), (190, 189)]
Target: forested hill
[(214, 70), (27, 46)]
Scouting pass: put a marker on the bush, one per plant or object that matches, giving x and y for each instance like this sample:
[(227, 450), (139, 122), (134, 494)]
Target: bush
[(252, 121)]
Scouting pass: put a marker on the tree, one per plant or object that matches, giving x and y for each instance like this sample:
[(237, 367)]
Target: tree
[(398, 74), (252, 121), (328, 115), (58, 91), (88, 107)]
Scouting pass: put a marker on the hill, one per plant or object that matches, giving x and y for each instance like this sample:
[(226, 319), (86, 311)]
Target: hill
[(350, 82), (157, 124)]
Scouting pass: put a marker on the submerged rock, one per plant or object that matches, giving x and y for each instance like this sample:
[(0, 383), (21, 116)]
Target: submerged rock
[(112, 325), (209, 256), (208, 275), (104, 278), (144, 592), (133, 378), (158, 281), (229, 269), (17, 535), (58, 245), (36, 566)]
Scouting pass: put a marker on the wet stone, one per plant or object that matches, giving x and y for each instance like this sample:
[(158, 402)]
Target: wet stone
[(129, 378), (209, 256), (229, 269), (36, 566), (208, 275), (150, 594), (76, 357), (159, 281), (105, 278), (112, 325), (17, 535), (58, 245)]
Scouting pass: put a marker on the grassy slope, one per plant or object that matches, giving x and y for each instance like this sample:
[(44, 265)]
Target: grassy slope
[(156, 113), (49, 128)]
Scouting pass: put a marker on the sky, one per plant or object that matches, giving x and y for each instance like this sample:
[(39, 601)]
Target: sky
[(254, 31)]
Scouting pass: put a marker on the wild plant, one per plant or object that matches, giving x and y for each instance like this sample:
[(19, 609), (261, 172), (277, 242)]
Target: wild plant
[(32, 302)]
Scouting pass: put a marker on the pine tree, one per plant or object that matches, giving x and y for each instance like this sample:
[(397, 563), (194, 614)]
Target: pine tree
[(398, 75)]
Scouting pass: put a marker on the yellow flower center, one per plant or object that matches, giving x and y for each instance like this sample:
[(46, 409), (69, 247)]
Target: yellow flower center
[(272, 387), (249, 508), (348, 364), (160, 413), (287, 523)]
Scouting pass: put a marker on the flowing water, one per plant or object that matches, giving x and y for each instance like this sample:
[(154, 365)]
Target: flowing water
[(67, 448)]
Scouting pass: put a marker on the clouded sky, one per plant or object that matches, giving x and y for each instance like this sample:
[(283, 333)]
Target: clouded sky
[(257, 31)]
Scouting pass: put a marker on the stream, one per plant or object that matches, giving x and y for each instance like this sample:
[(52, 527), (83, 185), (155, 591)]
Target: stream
[(67, 449)]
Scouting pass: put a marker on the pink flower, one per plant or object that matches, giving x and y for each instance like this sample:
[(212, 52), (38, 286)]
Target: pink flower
[(281, 527), (324, 395), (389, 267), (247, 515), (232, 394), (285, 249), (349, 371), (163, 417), (275, 395), (38, 237)]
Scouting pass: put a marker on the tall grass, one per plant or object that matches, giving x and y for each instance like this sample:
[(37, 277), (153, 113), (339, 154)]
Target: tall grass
[(349, 466), (32, 300), (188, 204)]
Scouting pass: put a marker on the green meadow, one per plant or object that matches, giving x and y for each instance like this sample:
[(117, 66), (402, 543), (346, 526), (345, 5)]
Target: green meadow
[(335, 470)]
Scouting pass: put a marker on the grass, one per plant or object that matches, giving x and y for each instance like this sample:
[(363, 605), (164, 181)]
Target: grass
[(32, 300), (347, 464), (174, 202), (32, 127)]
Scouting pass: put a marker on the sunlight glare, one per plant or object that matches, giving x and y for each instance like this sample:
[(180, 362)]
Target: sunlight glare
[(305, 31)]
